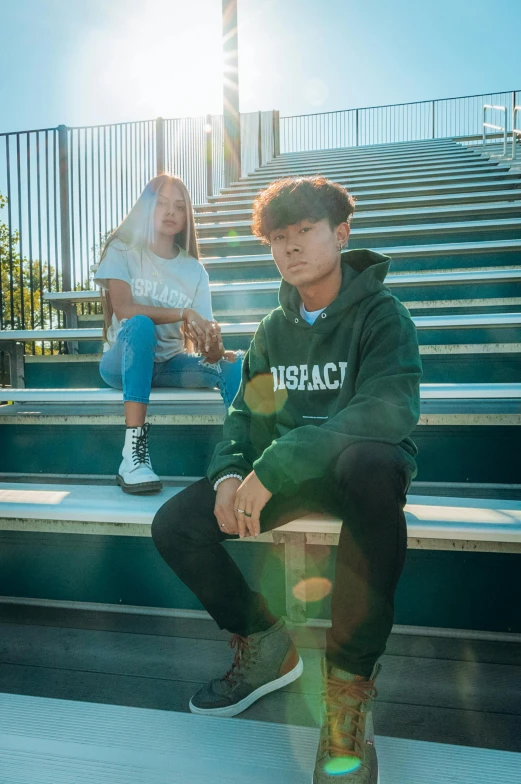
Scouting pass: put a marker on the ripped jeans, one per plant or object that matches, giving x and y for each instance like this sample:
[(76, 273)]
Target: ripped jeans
[(129, 365)]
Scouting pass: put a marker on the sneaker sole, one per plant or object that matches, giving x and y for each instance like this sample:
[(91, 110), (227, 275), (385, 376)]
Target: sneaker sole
[(232, 710), (144, 488)]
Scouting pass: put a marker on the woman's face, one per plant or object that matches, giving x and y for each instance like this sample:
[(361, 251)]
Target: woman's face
[(170, 211)]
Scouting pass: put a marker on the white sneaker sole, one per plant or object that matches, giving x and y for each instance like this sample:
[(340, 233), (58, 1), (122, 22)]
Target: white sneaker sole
[(238, 707)]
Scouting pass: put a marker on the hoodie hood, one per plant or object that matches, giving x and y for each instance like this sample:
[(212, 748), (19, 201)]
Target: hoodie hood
[(363, 274)]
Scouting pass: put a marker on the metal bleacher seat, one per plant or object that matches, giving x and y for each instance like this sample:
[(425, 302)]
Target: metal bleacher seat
[(61, 741), (433, 522), (465, 277)]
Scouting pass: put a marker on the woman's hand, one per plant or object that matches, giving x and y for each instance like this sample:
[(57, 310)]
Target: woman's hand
[(206, 339), (204, 334)]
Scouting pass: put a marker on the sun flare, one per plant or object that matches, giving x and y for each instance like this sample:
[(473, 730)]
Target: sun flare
[(164, 60)]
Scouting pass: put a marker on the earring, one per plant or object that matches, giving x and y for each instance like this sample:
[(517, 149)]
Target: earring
[(339, 247)]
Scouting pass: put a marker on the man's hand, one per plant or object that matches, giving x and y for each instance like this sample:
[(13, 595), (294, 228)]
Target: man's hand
[(251, 498), (225, 506)]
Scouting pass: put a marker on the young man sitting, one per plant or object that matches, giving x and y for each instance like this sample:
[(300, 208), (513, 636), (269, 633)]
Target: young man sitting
[(321, 422)]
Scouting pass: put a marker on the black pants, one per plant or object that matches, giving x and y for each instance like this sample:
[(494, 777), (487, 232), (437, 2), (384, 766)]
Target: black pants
[(367, 489)]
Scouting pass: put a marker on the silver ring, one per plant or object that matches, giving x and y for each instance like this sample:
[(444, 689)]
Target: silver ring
[(241, 511), (223, 525)]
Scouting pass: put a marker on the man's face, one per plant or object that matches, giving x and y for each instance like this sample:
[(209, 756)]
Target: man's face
[(306, 252)]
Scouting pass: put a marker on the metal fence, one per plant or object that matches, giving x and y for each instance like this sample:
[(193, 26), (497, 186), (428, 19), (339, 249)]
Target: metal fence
[(63, 189), (30, 223), (186, 154), (108, 166), (448, 117)]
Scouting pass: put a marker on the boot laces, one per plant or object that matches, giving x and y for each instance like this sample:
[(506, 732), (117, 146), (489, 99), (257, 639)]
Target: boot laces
[(345, 699), (243, 658), (140, 446)]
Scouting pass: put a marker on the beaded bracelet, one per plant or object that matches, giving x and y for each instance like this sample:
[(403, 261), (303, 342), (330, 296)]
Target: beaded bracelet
[(228, 476)]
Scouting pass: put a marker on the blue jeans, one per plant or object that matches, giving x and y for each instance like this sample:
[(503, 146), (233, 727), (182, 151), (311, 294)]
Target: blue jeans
[(129, 365)]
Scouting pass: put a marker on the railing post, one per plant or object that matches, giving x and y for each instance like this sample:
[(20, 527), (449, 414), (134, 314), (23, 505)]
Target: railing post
[(231, 112), (276, 133), (160, 145), (209, 156), (259, 141), (63, 157), (515, 132), (513, 117), (232, 147), (357, 127), (15, 351), (433, 120)]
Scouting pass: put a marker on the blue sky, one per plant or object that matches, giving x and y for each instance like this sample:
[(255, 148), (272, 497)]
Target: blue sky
[(93, 61)]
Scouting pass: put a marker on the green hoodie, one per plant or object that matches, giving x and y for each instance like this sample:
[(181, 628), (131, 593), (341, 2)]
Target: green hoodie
[(309, 391)]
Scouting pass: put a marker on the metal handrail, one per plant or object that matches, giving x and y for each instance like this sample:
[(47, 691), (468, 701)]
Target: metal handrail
[(495, 127), (515, 131), (393, 105)]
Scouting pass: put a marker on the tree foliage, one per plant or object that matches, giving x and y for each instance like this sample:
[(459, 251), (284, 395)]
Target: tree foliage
[(23, 283)]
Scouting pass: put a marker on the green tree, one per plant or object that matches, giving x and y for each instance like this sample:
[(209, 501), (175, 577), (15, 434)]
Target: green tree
[(16, 277)]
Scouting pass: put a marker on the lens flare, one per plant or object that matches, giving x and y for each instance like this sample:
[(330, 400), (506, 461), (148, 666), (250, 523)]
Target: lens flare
[(313, 589), (339, 766), (233, 238), (260, 397)]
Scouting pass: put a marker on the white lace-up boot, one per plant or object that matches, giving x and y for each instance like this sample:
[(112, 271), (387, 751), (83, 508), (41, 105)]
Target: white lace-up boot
[(135, 472)]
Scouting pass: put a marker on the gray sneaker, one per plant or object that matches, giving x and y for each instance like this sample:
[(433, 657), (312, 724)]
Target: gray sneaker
[(346, 752), (263, 662)]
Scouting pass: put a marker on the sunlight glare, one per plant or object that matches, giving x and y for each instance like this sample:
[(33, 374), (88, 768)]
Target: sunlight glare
[(149, 61), (39, 497)]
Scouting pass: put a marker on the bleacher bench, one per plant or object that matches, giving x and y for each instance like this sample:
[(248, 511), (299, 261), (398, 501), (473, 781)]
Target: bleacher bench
[(449, 523), (445, 392), (58, 298), (12, 341)]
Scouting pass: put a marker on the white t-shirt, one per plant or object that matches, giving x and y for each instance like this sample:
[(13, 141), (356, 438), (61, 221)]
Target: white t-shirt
[(310, 315), (162, 283)]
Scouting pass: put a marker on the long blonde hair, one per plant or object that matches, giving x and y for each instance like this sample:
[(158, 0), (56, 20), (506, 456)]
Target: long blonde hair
[(137, 231)]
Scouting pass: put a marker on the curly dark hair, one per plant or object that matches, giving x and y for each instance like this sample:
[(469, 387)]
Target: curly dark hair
[(294, 199)]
